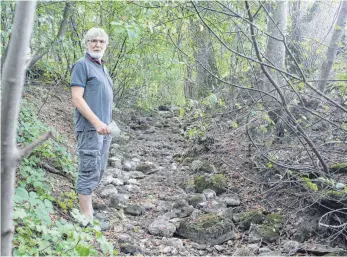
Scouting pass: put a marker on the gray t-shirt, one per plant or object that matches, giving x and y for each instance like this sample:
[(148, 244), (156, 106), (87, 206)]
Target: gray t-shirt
[(98, 93)]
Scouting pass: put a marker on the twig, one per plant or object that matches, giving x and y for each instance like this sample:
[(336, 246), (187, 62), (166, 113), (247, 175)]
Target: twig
[(27, 150)]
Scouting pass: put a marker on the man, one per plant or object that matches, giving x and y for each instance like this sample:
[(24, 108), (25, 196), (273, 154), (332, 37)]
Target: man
[(92, 95)]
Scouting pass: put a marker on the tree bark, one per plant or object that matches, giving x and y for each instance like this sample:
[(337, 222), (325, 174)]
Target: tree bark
[(332, 50), (13, 80), (275, 54)]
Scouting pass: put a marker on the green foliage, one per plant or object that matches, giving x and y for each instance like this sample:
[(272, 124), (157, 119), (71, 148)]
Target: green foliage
[(39, 231), (309, 184)]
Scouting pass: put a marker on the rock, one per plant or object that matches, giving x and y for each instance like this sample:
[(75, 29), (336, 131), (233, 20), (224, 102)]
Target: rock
[(174, 242), (219, 248), (180, 203), (264, 250), (105, 225), (101, 216), (127, 166), (212, 206), (148, 206), (209, 194), (162, 227), (244, 251), (245, 219), (117, 182), (133, 181), (134, 209), (129, 249), (183, 212), (136, 174), (118, 200), (266, 232), (318, 249), (216, 182), (145, 167), (291, 247), (132, 188), (203, 167), (107, 191), (227, 213), (115, 162), (207, 229), (106, 180), (231, 200), (195, 199)]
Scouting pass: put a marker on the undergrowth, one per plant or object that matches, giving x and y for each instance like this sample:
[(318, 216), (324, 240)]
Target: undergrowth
[(39, 226)]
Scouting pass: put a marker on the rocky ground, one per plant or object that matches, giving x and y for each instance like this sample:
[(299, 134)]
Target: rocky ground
[(164, 196)]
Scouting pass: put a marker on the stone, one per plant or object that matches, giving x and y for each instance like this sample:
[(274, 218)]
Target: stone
[(245, 219), (129, 249), (134, 210), (107, 191), (207, 229), (132, 188), (174, 242), (291, 247), (162, 227), (266, 232), (231, 200), (216, 182), (243, 251), (133, 181), (219, 248), (136, 174), (115, 162), (117, 182), (212, 206), (148, 206), (118, 200), (209, 194), (145, 167), (195, 199), (127, 166)]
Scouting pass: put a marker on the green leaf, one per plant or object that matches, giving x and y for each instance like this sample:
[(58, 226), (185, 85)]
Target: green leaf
[(22, 192), (83, 250), (19, 214)]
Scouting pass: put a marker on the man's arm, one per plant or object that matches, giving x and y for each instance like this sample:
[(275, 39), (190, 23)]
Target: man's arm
[(79, 102)]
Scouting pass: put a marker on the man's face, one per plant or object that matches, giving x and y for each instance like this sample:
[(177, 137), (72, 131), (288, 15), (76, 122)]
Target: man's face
[(96, 47)]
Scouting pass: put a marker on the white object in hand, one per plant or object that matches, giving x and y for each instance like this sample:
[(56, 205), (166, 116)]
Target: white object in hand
[(115, 130)]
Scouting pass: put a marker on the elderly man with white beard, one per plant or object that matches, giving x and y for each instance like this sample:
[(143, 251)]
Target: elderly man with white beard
[(92, 97)]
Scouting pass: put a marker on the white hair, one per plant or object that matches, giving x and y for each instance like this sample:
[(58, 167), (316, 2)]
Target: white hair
[(93, 33)]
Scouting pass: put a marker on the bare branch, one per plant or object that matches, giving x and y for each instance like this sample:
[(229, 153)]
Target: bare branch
[(27, 150)]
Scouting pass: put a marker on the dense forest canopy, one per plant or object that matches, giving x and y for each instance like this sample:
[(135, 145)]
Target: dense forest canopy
[(275, 69)]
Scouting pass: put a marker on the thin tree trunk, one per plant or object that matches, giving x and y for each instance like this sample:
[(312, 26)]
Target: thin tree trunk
[(13, 80), (59, 36), (332, 50)]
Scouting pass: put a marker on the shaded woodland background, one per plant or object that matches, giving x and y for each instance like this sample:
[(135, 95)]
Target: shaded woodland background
[(275, 70)]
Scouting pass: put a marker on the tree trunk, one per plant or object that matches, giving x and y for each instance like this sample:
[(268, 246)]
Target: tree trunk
[(59, 36), (13, 80), (275, 54), (332, 50)]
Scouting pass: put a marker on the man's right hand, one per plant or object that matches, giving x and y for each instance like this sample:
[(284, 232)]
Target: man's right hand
[(102, 129)]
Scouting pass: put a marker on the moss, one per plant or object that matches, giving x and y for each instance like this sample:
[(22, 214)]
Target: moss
[(269, 233), (216, 182), (275, 219), (208, 220), (339, 167), (194, 200), (201, 184), (245, 219)]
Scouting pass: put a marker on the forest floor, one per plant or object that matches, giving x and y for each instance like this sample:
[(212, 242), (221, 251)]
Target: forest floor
[(159, 140)]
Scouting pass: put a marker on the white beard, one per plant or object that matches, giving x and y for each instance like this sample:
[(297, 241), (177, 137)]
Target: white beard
[(96, 55)]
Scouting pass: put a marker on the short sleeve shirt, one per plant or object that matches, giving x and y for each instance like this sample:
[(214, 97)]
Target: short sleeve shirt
[(98, 91)]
